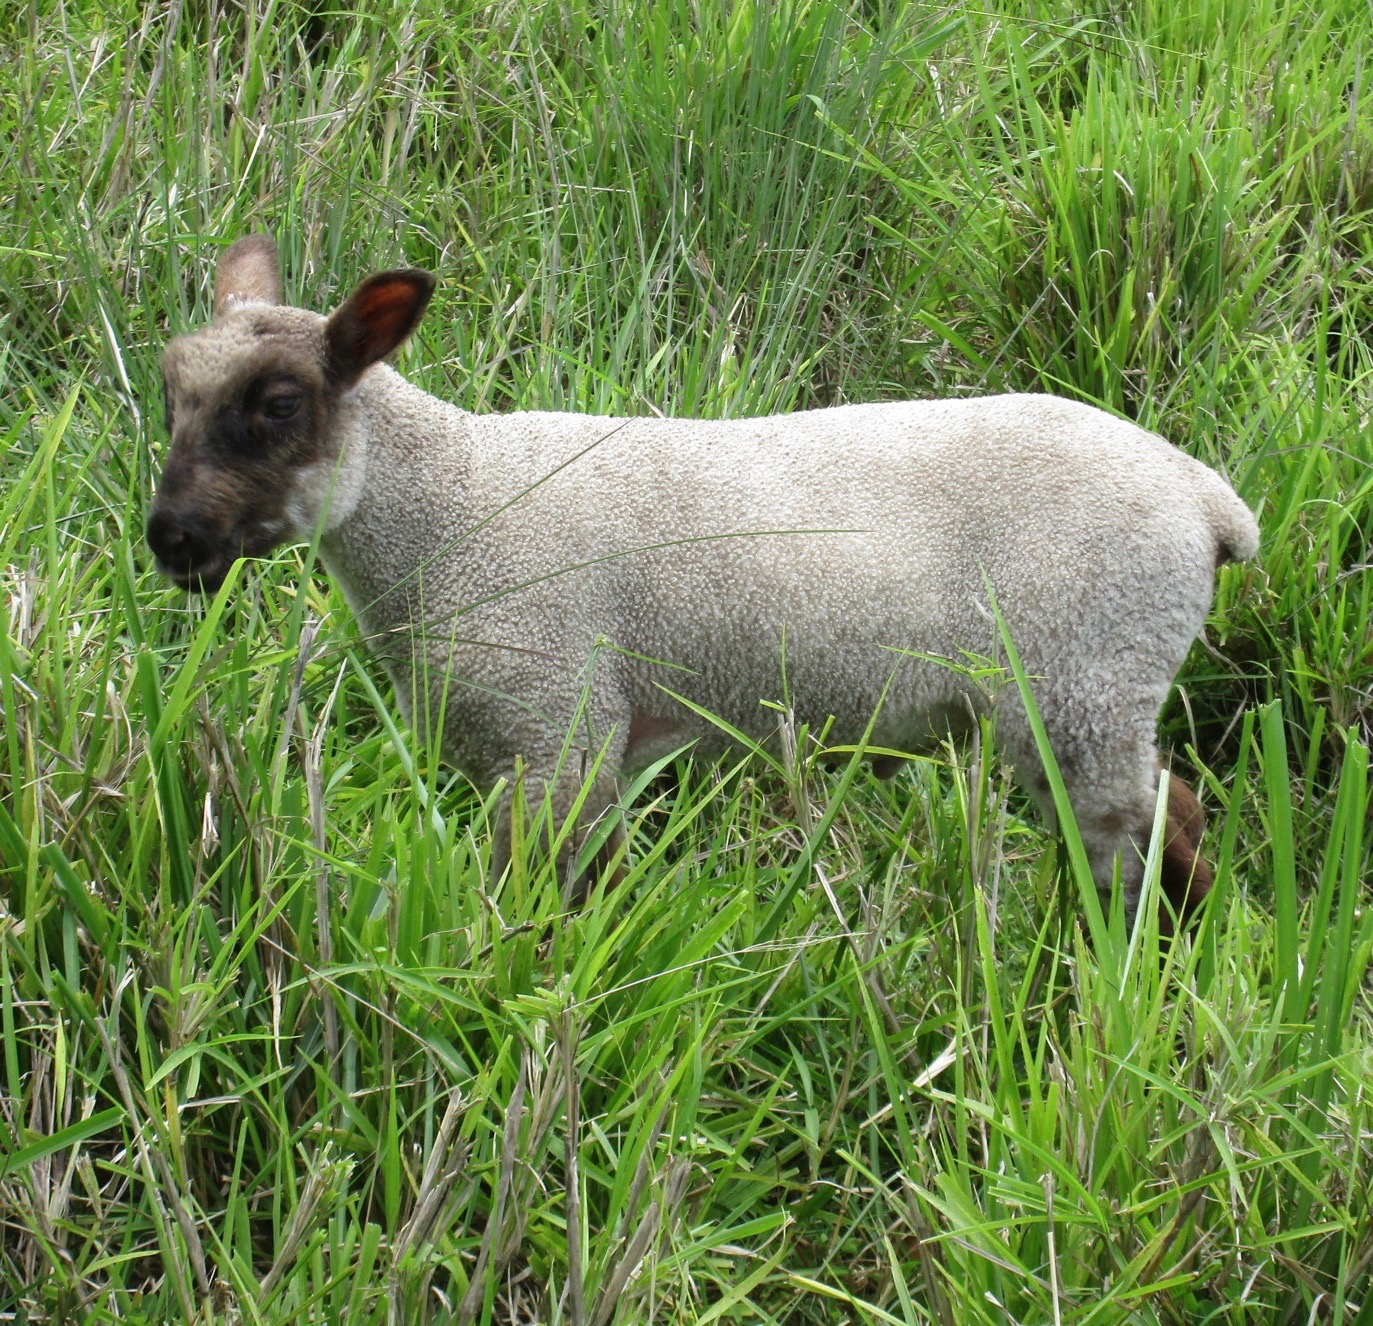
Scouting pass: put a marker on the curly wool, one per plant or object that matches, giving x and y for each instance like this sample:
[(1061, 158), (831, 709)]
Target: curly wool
[(554, 567)]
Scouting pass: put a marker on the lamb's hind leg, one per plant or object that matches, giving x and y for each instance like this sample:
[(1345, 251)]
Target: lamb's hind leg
[(1185, 875), (1112, 783), (1115, 816), (1113, 804), (1125, 825)]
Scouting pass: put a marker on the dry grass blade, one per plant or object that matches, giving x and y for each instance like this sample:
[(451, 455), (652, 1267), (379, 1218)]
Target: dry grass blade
[(576, 1289), (496, 1243)]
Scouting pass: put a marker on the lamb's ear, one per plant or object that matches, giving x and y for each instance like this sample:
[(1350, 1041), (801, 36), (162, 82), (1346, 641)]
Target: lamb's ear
[(374, 320), (248, 273)]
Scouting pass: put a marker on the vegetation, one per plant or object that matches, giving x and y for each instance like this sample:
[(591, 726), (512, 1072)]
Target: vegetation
[(274, 1051)]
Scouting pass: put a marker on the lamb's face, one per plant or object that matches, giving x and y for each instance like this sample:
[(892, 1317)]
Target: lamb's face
[(249, 413), (253, 406)]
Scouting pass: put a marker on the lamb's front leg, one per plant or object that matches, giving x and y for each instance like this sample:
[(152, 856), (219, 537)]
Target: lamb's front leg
[(559, 779), (556, 739)]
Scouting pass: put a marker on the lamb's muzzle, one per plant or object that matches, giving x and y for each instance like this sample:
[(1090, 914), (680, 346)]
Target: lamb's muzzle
[(522, 573)]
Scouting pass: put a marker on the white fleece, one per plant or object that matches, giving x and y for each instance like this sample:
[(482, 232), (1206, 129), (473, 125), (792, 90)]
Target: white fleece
[(527, 559)]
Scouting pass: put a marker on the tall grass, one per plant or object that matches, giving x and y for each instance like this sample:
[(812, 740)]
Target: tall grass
[(837, 1050)]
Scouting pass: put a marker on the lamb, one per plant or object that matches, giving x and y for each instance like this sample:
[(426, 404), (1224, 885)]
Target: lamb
[(530, 575)]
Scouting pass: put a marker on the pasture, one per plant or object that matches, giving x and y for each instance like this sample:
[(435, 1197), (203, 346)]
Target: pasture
[(837, 1050)]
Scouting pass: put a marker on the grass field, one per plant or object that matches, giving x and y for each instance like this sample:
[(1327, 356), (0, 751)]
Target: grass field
[(838, 1050)]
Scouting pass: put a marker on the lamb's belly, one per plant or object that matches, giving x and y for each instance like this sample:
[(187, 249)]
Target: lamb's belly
[(754, 684)]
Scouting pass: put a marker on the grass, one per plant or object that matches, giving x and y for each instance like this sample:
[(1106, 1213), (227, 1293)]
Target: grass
[(837, 1050)]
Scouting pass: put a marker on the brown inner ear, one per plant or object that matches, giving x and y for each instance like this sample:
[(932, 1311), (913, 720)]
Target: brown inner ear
[(375, 319)]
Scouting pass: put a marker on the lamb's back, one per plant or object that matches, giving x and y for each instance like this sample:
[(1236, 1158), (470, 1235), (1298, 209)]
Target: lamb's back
[(877, 495)]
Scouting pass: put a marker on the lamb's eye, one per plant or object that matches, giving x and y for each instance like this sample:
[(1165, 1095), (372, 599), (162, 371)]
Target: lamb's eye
[(281, 406)]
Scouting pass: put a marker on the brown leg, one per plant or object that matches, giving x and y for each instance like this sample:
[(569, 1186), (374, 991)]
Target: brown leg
[(601, 800), (1185, 876), (887, 766), (577, 889)]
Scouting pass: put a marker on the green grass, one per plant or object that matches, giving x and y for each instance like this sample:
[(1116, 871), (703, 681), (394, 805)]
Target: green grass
[(837, 1050)]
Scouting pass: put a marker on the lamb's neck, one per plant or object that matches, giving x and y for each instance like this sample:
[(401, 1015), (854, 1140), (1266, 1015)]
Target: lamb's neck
[(406, 471)]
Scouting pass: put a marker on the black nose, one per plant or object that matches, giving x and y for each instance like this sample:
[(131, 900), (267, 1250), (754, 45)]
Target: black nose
[(181, 544)]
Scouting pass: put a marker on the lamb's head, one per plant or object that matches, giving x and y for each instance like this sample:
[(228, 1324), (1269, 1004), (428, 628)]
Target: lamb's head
[(256, 412)]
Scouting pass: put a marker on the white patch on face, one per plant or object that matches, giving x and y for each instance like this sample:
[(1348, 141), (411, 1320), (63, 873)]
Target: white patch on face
[(329, 490)]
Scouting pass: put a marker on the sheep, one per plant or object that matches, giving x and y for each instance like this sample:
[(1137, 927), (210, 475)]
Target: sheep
[(530, 575)]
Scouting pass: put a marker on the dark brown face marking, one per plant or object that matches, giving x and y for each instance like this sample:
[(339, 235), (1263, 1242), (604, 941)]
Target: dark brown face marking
[(251, 403), (237, 444)]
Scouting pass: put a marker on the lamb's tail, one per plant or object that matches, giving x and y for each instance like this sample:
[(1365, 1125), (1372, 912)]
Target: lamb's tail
[(1232, 523)]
